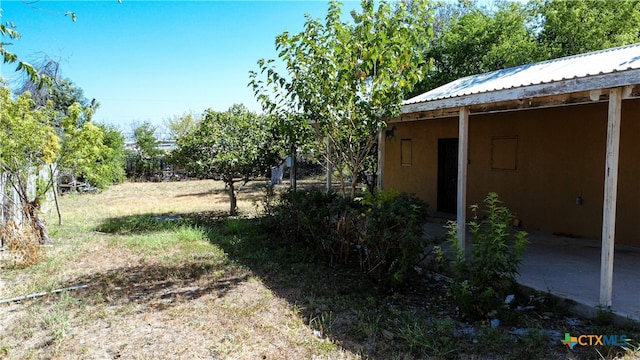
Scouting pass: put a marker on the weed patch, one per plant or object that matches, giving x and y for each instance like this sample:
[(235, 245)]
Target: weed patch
[(482, 282), (23, 243)]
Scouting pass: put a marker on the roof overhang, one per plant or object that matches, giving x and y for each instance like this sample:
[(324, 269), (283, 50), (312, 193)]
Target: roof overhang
[(559, 93)]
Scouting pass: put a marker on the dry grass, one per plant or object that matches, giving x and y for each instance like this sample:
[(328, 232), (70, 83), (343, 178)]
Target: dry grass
[(23, 245), (169, 276), (162, 294)]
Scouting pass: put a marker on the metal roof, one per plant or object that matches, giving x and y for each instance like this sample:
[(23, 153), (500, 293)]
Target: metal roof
[(577, 67)]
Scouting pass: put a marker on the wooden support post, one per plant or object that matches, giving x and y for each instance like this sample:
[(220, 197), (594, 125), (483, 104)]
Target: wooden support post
[(610, 197), (293, 171), (329, 167), (463, 146), (381, 146)]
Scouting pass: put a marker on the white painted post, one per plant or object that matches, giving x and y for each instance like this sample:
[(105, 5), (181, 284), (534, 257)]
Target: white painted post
[(381, 146), (463, 146), (329, 167), (610, 197), (3, 202)]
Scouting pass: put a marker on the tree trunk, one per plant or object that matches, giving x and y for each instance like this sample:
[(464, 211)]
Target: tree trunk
[(232, 199), (355, 173), (354, 184), (37, 222)]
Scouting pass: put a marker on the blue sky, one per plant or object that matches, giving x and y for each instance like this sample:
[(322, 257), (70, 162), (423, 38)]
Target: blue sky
[(152, 60)]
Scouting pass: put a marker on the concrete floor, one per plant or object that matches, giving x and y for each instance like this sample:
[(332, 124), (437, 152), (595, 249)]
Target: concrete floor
[(570, 269)]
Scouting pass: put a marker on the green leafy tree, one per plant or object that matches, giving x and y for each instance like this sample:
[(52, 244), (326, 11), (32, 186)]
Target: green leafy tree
[(575, 27), (343, 79), (146, 156), (91, 152), (470, 39), (182, 125), (62, 92), (110, 166), (29, 138), (236, 145), (28, 144), (478, 41)]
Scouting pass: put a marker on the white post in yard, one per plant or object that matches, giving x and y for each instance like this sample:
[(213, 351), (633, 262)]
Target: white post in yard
[(329, 167), (610, 196), (463, 146), (381, 146)]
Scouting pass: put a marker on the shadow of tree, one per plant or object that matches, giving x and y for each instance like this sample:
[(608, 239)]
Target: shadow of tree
[(338, 301), (200, 194), (159, 286), (333, 299), (254, 185), (149, 223)]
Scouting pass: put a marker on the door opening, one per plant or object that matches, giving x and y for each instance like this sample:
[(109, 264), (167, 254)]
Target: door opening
[(447, 175)]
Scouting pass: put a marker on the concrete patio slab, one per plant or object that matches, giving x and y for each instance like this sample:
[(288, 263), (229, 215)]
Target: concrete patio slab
[(569, 268)]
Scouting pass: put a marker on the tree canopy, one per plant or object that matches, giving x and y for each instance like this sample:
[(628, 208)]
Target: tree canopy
[(181, 125), (343, 79), (236, 145), (29, 142), (144, 159), (46, 123), (92, 152), (575, 27), (28, 139), (471, 39)]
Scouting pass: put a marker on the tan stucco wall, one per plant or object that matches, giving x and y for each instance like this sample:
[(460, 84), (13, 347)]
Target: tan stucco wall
[(560, 155)]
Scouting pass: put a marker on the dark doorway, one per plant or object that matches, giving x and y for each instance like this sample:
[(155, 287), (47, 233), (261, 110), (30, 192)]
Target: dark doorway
[(447, 175)]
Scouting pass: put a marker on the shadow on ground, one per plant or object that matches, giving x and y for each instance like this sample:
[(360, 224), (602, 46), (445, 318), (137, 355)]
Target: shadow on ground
[(337, 301), (251, 191), (158, 286), (334, 300), (161, 285)]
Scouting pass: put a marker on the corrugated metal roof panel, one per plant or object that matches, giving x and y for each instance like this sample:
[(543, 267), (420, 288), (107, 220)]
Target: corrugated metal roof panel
[(571, 67)]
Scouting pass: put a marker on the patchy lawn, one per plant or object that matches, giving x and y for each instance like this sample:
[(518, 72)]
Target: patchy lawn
[(168, 275)]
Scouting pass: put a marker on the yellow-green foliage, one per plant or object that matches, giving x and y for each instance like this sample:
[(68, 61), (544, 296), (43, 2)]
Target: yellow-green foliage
[(92, 151), (51, 147), (28, 142), (28, 138)]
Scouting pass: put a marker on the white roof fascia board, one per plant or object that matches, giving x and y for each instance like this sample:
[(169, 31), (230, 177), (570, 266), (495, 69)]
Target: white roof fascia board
[(567, 86)]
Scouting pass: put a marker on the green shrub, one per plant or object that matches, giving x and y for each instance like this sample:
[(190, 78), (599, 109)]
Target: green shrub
[(482, 281), (380, 233), (393, 235), (315, 218)]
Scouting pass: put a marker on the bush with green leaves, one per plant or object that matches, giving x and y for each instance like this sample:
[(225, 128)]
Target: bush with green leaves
[(381, 233), (482, 281), (314, 217), (392, 234)]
